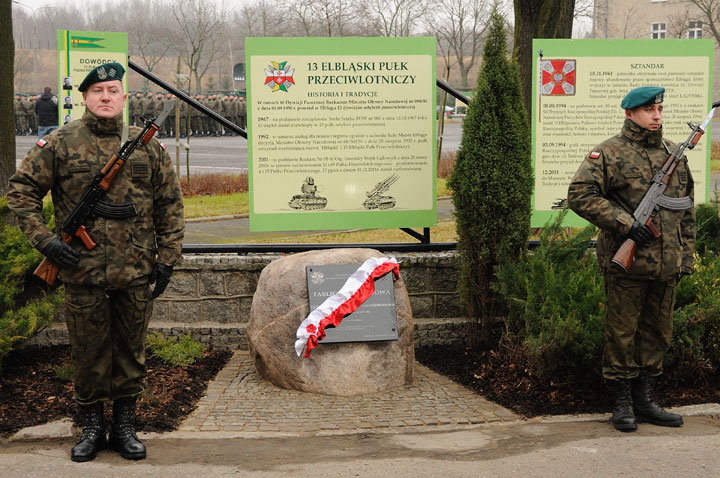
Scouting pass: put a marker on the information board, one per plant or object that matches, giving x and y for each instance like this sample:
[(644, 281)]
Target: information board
[(341, 133), (578, 86), (78, 53)]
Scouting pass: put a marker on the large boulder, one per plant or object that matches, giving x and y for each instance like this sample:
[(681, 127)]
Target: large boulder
[(279, 306)]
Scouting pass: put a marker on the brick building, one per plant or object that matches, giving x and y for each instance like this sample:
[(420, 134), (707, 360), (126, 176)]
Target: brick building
[(655, 19)]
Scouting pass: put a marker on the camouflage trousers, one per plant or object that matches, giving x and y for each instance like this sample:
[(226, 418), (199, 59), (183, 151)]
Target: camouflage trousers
[(638, 326), (107, 334)]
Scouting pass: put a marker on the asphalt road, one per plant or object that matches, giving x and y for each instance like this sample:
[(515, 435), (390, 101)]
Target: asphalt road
[(226, 154)]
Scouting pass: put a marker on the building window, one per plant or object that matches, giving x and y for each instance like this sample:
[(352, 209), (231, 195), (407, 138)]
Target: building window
[(658, 30), (695, 29)]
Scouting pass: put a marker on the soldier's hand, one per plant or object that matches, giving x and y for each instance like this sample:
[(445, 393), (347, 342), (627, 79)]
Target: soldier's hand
[(160, 275), (640, 234), (59, 252)]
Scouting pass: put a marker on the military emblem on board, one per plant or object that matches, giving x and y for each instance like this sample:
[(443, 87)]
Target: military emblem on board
[(279, 76), (558, 77), (317, 277)]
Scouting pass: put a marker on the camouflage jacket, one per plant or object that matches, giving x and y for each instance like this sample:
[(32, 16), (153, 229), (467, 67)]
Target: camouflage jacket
[(126, 248), (610, 184)]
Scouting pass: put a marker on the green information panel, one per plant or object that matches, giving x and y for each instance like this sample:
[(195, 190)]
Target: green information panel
[(341, 133), (578, 86), (78, 53)]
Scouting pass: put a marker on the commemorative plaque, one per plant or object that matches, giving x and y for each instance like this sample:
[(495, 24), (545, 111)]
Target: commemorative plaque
[(374, 320)]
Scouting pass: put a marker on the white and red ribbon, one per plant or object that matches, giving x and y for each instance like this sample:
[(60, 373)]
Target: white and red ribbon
[(353, 293)]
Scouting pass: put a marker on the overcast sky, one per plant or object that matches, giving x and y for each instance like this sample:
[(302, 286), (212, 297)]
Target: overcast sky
[(583, 25)]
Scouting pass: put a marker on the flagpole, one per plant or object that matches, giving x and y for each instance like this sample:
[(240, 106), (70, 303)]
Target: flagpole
[(540, 54)]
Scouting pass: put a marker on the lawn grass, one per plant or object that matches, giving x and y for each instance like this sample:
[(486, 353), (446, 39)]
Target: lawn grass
[(216, 205)]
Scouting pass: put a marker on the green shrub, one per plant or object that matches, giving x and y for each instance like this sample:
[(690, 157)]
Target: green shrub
[(696, 322), (554, 298), (491, 181), (177, 352), (707, 217), (21, 318)]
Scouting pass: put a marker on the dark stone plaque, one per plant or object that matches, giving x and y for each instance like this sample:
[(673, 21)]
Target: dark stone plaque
[(374, 320)]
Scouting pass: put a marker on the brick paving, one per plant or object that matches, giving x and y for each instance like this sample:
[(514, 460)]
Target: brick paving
[(238, 400)]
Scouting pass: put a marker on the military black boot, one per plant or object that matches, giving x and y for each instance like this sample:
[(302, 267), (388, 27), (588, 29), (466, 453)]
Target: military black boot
[(645, 406), (123, 438), (623, 418), (93, 438)]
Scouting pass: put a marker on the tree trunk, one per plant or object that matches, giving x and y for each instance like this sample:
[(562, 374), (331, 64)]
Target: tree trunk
[(538, 19), (7, 113)]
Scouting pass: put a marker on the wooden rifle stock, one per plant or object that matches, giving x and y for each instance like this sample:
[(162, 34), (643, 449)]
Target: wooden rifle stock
[(48, 270), (625, 255)]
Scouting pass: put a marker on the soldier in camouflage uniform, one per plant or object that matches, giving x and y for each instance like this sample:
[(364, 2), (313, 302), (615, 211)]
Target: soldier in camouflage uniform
[(20, 125), (108, 293), (606, 189)]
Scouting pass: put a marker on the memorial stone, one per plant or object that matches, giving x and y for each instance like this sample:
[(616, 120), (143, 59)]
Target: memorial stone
[(281, 304)]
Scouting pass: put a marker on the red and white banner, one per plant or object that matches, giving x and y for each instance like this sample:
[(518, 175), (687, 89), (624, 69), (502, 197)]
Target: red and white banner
[(353, 293)]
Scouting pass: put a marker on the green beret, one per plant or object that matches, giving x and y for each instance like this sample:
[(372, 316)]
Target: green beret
[(105, 72), (645, 95)]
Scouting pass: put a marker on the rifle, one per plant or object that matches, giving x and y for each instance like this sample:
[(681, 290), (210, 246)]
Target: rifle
[(654, 198), (91, 204)]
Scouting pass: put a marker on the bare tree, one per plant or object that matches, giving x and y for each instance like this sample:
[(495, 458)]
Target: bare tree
[(678, 23), (7, 128), (149, 35), (261, 19), (199, 22), (461, 24), (301, 17), (335, 17), (22, 68), (394, 18), (709, 13), (538, 19)]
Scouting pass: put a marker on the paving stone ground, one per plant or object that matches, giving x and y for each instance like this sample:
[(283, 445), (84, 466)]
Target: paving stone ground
[(238, 400)]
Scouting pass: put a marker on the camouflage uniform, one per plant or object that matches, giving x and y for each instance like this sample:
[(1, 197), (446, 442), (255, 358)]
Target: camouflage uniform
[(606, 189), (108, 303)]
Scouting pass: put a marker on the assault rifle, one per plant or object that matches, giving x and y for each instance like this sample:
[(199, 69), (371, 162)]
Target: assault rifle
[(91, 203), (654, 198)]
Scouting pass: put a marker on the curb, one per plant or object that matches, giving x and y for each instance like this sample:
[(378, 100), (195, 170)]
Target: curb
[(63, 428)]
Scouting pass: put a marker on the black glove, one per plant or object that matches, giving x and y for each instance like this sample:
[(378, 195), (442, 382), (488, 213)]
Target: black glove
[(59, 252), (160, 275), (640, 234)]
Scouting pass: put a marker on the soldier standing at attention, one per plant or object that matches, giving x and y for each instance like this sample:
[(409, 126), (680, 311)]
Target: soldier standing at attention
[(108, 293), (607, 188)]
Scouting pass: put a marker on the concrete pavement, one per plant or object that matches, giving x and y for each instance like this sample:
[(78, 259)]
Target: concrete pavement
[(244, 426)]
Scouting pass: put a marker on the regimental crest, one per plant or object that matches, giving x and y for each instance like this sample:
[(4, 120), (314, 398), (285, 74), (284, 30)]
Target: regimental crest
[(101, 73), (317, 277), (558, 77), (279, 76)]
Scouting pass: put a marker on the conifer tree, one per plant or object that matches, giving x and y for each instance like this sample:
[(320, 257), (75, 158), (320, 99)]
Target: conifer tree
[(491, 181)]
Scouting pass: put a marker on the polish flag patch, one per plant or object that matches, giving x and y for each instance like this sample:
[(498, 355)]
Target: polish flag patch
[(41, 142), (163, 146), (595, 154)]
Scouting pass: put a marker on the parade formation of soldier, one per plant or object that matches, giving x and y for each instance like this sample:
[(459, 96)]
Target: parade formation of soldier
[(231, 107), (109, 290), (606, 189)]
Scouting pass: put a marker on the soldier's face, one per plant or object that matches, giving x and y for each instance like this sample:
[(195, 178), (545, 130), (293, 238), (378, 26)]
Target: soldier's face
[(648, 117), (105, 99)]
